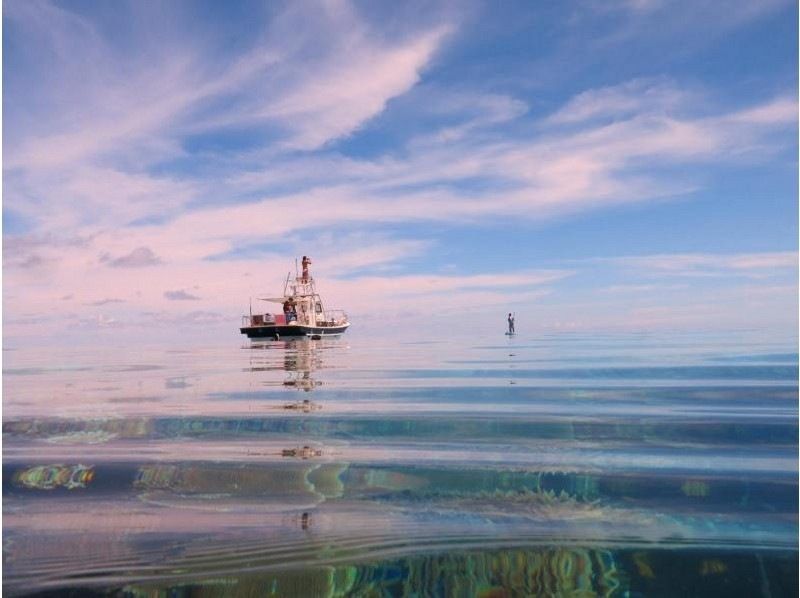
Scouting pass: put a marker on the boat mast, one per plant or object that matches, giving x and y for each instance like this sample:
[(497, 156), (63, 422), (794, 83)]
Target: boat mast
[(305, 283)]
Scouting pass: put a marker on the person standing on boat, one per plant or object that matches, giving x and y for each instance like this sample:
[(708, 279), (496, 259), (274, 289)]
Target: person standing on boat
[(510, 323), (306, 262)]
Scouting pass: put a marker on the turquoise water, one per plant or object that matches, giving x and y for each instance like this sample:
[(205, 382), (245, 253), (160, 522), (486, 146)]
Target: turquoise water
[(577, 465)]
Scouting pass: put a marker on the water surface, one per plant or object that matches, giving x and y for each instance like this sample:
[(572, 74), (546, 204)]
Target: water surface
[(615, 465)]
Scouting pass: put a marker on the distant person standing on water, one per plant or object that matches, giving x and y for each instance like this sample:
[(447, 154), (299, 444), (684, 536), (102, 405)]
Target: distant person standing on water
[(510, 324)]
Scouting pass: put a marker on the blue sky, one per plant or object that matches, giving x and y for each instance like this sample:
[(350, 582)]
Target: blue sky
[(616, 165)]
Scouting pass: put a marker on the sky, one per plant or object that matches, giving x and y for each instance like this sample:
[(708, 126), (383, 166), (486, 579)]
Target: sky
[(620, 165)]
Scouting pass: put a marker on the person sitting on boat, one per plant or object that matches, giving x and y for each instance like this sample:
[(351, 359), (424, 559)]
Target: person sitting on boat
[(287, 310), (510, 324)]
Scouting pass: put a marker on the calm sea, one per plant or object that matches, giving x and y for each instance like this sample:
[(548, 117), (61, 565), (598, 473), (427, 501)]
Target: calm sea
[(560, 465)]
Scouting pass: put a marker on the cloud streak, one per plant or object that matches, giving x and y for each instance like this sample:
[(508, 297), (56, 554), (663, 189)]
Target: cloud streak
[(690, 265)]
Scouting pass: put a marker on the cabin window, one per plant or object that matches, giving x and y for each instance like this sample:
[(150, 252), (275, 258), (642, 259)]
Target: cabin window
[(319, 308)]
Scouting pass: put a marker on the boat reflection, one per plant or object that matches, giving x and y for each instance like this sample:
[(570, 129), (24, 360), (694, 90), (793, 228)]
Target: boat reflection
[(299, 358)]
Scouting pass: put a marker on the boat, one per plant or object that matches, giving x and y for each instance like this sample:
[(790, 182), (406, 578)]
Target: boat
[(304, 314)]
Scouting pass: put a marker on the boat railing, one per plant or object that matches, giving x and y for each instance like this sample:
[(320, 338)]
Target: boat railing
[(258, 320), (332, 317)]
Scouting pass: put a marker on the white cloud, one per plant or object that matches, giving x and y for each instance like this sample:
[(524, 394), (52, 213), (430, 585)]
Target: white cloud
[(636, 97), (703, 264), (316, 100), (353, 88), (780, 111)]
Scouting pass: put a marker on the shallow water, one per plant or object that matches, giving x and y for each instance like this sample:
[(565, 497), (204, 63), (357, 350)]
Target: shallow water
[(621, 465)]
